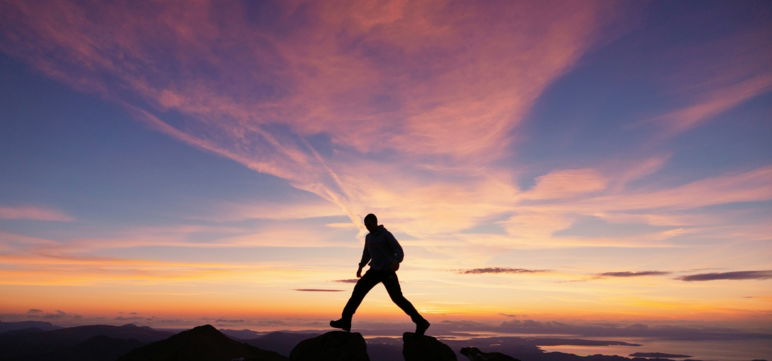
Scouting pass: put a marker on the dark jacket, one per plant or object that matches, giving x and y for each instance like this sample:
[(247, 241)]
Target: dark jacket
[(381, 250)]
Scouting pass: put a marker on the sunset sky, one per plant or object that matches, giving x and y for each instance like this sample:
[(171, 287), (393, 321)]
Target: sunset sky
[(172, 162)]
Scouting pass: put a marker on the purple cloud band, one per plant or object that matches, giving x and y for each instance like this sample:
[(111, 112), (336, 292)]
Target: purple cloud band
[(316, 290), (501, 270), (350, 280), (738, 275), (633, 274)]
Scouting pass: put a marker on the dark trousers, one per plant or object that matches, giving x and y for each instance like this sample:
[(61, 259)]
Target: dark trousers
[(367, 282)]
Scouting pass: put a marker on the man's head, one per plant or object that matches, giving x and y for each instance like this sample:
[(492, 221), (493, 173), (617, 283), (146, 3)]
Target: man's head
[(371, 222)]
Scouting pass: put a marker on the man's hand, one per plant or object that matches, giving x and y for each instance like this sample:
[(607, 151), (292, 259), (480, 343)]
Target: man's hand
[(359, 272), (395, 266)]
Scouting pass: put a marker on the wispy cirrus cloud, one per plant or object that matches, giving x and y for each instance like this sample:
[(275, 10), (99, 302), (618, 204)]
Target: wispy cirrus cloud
[(736, 275), (359, 82), (730, 187), (403, 109), (715, 102), (34, 213), (737, 73), (567, 183)]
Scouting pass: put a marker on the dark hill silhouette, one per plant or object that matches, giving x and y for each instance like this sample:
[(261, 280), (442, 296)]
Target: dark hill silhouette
[(128, 331), (203, 343), (73, 342), (97, 348)]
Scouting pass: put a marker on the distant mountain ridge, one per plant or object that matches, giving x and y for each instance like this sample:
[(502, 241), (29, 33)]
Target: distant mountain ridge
[(281, 342), (26, 325), (25, 341), (74, 343)]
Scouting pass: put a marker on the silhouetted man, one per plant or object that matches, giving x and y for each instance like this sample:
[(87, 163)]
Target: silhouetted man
[(384, 254)]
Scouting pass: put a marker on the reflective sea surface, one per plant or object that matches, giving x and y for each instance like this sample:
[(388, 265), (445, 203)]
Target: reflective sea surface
[(714, 350)]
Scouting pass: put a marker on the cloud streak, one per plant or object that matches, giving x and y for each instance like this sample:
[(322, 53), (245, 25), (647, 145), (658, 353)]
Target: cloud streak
[(35, 313), (317, 290), (350, 280), (708, 89), (736, 275), (633, 274), (34, 213), (501, 270)]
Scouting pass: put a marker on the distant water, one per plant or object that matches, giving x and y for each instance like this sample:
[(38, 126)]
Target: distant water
[(721, 350), (709, 350)]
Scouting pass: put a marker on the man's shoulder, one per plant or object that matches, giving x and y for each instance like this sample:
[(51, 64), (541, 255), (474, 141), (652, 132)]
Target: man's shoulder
[(386, 234), (381, 234)]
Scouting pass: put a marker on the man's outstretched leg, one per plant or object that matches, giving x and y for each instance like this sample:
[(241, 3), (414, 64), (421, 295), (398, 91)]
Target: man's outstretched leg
[(395, 292), (364, 285)]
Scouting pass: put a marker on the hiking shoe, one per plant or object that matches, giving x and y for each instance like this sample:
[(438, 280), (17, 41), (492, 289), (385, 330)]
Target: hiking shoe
[(342, 324), (421, 326)]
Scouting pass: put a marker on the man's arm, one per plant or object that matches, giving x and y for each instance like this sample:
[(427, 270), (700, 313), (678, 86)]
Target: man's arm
[(363, 261)]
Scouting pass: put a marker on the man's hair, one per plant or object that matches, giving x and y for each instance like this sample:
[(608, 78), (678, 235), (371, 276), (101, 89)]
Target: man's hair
[(371, 218)]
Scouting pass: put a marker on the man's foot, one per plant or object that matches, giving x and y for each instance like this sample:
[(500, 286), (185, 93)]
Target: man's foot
[(342, 324), (421, 326)]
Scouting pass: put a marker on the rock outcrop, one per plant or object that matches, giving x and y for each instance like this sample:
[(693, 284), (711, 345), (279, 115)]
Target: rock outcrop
[(425, 348), (331, 346), (474, 354)]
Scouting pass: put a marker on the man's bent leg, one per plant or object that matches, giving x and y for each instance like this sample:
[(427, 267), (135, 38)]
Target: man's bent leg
[(364, 285), (395, 292)]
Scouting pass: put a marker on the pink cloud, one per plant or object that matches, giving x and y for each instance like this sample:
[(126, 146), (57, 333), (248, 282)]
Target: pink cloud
[(34, 213), (435, 91), (732, 187), (750, 186), (675, 210), (714, 77), (713, 103), (433, 82), (567, 183)]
